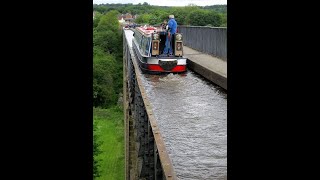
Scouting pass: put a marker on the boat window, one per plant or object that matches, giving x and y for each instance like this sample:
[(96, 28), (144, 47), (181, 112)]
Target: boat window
[(145, 46), (140, 42), (138, 38)]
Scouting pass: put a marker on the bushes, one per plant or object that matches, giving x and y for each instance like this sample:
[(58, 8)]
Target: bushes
[(96, 152), (103, 91), (204, 18), (107, 60), (107, 72)]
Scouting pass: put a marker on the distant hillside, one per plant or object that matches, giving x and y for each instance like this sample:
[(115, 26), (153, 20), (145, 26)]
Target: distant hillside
[(215, 15), (103, 8), (217, 8)]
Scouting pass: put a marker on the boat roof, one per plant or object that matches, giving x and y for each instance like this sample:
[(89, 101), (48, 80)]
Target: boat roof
[(147, 31)]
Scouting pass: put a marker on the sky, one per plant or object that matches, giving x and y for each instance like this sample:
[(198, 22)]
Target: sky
[(164, 2)]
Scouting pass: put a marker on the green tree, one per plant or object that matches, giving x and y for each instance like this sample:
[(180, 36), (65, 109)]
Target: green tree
[(187, 11), (104, 67), (109, 21), (107, 60), (107, 40), (218, 8), (204, 18), (154, 20), (197, 18), (213, 18), (143, 18), (224, 20), (100, 9), (107, 34), (180, 15), (158, 16), (96, 19)]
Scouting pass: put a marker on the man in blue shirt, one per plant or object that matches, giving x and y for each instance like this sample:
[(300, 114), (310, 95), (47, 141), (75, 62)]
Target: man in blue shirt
[(172, 28)]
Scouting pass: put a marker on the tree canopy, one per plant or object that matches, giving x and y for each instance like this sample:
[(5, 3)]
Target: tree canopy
[(193, 15), (107, 59)]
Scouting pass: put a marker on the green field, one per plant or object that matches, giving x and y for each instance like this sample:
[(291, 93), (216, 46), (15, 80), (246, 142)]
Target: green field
[(111, 132)]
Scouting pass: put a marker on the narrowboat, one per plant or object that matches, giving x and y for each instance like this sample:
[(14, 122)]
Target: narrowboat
[(148, 45)]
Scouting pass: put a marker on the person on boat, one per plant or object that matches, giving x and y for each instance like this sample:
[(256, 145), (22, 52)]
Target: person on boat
[(172, 28), (164, 25)]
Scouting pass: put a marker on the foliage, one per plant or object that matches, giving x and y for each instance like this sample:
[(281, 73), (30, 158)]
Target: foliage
[(180, 15), (104, 93), (100, 8), (96, 152), (224, 20), (109, 22), (148, 14), (143, 19), (109, 127), (108, 162), (218, 8), (96, 19), (213, 18), (107, 60), (204, 18), (107, 40)]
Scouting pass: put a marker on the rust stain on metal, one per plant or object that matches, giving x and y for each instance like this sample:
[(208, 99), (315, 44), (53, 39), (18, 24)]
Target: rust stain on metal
[(163, 155)]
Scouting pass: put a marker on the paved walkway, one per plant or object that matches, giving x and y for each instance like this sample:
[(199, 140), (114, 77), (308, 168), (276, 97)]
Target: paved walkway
[(215, 64), (212, 68)]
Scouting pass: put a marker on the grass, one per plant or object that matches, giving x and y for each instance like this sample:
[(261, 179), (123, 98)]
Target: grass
[(111, 132)]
